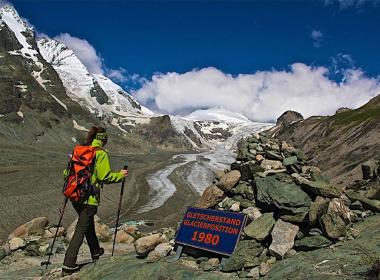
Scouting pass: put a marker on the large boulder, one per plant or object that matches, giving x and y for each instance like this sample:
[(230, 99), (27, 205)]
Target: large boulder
[(321, 188), (229, 180), (260, 228), (246, 251), (333, 225), (146, 244), (289, 117), (312, 243), (283, 235), (273, 194), (33, 227), (211, 196)]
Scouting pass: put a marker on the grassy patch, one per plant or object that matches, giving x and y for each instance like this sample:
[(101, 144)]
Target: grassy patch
[(357, 116)]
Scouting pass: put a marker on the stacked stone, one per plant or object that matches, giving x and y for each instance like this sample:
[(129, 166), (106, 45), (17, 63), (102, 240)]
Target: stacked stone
[(291, 206)]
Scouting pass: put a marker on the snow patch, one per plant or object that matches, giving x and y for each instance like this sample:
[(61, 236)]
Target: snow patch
[(59, 101), (79, 127), (22, 87), (9, 15)]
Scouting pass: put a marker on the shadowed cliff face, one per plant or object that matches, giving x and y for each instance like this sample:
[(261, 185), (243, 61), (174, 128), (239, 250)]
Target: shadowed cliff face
[(339, 143)]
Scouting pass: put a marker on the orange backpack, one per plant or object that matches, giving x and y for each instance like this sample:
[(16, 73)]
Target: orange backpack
[(78, 185)]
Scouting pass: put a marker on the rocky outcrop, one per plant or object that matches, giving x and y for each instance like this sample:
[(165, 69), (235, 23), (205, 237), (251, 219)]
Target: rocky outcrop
[(289, 117)]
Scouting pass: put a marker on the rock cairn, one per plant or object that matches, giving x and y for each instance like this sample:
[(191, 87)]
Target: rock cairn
[(291, 206)]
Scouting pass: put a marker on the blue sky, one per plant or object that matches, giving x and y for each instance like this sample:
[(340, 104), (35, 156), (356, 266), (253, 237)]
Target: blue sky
[(235, 37)]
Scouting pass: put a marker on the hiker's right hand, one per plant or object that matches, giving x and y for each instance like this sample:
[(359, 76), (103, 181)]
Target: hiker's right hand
[(124, 172)]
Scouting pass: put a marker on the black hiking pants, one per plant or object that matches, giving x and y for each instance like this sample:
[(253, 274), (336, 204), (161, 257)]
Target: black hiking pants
[(84, 227)]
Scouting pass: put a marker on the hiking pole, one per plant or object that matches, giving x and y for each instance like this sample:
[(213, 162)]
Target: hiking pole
[(118, 210), (46, 263)]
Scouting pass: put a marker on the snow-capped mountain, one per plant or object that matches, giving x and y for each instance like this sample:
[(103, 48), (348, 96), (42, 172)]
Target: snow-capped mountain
[(44, 77), (216, 126), (95, 92)]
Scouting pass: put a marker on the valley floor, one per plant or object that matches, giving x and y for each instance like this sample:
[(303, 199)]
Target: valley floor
[(159, 188)]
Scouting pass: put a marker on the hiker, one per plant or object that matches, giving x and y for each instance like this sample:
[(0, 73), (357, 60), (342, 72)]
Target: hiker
[(97, 137)]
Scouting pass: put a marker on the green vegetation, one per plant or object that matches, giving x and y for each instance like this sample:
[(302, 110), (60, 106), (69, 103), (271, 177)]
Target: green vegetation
[(358, 116)]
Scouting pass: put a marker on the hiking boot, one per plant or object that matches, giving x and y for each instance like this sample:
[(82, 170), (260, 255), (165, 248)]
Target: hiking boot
[(68, 270), (97, 253)]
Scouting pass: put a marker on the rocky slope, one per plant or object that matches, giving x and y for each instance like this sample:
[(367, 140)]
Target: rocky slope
[(299, 226), (338, 144)]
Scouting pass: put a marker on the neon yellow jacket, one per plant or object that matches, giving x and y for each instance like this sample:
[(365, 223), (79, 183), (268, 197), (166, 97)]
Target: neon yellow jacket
[(102, 174)]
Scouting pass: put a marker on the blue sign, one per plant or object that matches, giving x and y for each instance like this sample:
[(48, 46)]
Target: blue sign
[(211, 230)]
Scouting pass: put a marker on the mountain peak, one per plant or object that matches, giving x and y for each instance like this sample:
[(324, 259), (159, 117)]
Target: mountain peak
[(10, 16)]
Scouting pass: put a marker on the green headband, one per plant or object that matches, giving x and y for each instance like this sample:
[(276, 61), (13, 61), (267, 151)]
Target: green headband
[(101, 136)]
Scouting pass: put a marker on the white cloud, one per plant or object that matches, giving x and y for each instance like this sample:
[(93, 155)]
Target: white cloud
[(317, 37), (262, 96), (122, 75), (85, 52)]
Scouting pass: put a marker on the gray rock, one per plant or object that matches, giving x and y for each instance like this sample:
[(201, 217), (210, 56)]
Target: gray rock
[(272, 193), (273, 155), (245, 190), (301, 155), (283, 235), (245, 252), (290, 161), (367, 203), (318, 187), (244, 202), (254, 273), (260, 228), (333, 225), (252, 212), (312, 243)]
